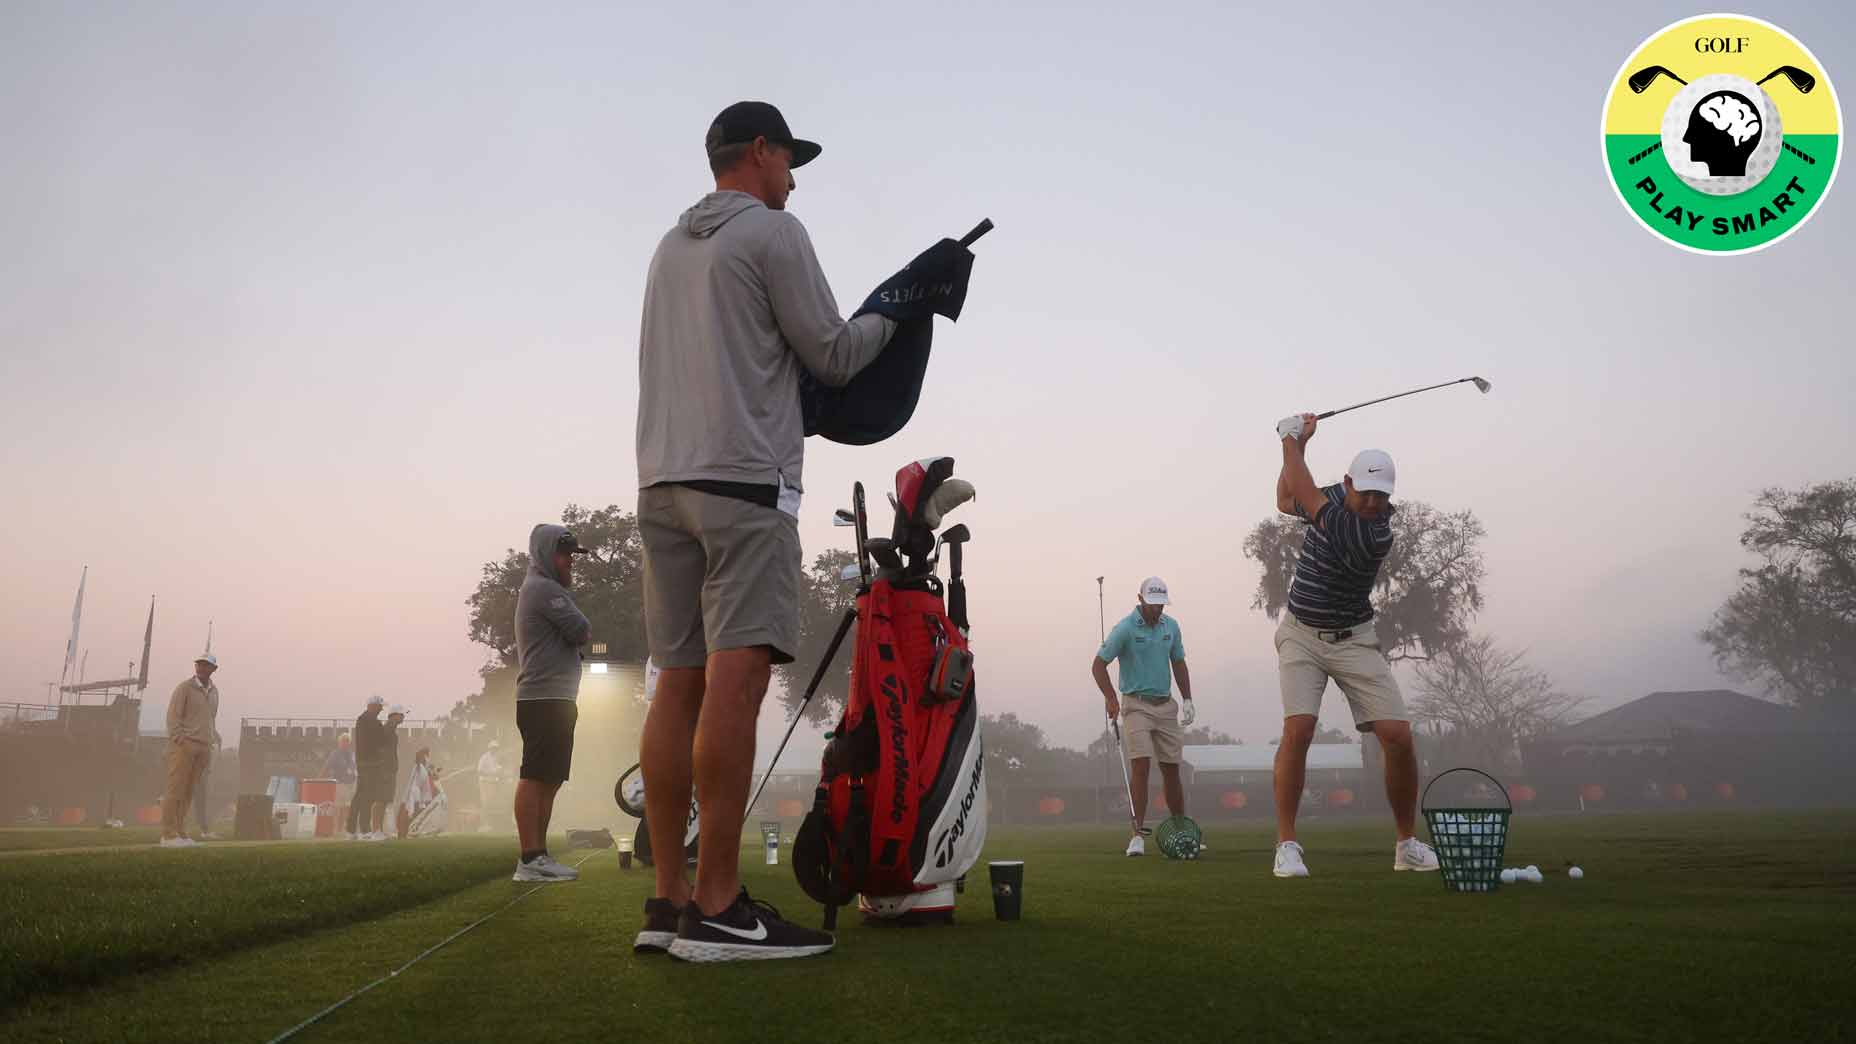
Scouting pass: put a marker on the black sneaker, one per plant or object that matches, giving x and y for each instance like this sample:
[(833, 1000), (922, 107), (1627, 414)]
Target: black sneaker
[(660, 927), (749, 930)]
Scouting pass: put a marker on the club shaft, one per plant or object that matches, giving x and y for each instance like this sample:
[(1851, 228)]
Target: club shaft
[(818, 676), (1388, 398)]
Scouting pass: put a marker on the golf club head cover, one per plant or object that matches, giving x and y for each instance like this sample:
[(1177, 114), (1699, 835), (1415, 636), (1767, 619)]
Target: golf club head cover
[(950, 495), (882, 397)]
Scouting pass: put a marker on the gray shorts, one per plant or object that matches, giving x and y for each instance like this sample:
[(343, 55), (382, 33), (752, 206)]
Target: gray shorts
[(719, 574)]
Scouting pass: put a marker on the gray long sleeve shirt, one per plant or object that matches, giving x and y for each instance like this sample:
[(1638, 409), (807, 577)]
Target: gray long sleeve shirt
[(734, 305), (550, 629)]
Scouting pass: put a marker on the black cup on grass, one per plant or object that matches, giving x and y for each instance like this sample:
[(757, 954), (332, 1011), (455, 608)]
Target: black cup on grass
[(1008, 888)]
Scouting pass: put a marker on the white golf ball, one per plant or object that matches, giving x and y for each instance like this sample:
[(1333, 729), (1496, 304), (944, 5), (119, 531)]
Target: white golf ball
[(1508, 877), (1534, 876), (1575, 873), (1532, 869)]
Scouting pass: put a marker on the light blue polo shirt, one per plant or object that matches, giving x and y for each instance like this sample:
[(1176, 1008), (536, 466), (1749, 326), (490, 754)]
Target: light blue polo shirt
[(1146, 655)]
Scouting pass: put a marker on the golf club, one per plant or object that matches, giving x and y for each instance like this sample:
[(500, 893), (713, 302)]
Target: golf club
[(1481, 386), (1127, 781), (1800, 79), (1641, 79), (818, 676)]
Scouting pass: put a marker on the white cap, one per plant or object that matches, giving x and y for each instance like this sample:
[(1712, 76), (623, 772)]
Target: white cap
[(398, 708), (209, 659), (376, 700), (1372, 472), (1153, 591)]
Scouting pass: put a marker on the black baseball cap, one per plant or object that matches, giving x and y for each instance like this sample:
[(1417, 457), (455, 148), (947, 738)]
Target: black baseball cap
[(744, 121), (570, 544)]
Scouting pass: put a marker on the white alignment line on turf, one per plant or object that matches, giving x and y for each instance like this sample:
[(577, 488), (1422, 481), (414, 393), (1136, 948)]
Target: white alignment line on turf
[(446, 941)]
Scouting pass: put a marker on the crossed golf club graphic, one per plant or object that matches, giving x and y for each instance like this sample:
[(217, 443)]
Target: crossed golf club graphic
[(1641, 80)]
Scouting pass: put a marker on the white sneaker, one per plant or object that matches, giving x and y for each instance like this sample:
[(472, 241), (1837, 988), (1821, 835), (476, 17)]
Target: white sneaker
[(1136, 846), (352, 836), (209, 836), (1413, 854), (1289, 860), (544, 870), (375, 836), (176, 842)]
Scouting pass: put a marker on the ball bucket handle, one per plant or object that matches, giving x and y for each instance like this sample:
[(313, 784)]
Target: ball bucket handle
[(1423, 799)]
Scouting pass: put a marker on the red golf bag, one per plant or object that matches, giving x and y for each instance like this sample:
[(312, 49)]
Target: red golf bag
[(900, 810)]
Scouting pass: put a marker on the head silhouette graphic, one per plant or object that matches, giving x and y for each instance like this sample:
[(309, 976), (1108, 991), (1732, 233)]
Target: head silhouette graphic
[(1723, 130)]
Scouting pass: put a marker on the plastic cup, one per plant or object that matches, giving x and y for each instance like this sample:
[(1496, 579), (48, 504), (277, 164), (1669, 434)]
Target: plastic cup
[(1008, 888)]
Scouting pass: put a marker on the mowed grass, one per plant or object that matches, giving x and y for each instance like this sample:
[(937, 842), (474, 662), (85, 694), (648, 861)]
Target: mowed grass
[(76, 918), (1706, 926), (39, 838)]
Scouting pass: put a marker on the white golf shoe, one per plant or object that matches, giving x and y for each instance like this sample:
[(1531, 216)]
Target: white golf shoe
[(1413, 854), (176, 842), (1289, 860), (1136, 846), (544, 870)]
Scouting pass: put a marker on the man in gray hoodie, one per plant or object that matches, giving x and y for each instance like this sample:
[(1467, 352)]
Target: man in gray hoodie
[(735, 307), (550, 633)]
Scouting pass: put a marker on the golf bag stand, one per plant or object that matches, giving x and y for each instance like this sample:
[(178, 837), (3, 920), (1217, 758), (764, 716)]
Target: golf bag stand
[(900, 813)]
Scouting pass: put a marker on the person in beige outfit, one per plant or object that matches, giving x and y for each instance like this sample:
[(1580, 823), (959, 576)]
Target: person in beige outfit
[(193, 710)]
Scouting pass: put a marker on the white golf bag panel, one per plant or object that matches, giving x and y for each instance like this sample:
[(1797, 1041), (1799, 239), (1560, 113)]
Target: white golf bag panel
[(956, 830)]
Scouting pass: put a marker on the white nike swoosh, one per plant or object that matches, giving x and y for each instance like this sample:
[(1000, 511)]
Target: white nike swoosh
[(759, 932)]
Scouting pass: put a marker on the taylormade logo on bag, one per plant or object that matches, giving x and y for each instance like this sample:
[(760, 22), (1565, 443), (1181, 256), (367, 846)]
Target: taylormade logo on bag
[(899, 744), (944, 845)]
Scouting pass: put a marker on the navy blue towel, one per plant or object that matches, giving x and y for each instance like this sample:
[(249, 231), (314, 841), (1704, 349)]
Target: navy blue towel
[(881, 399)]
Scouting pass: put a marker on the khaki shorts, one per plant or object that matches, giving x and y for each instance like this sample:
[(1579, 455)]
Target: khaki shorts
[(1151, 730), (1306, 662), (719, 574)]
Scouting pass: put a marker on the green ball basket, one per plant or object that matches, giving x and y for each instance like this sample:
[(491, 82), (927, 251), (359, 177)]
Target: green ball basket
[(1178, 838), (1469, 841)]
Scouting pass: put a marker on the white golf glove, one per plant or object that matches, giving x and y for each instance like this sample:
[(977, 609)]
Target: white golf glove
[(1187, 713), (1289, 427)]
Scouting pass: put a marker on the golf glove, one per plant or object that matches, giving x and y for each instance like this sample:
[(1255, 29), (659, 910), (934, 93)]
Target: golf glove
[(1289, 427), (1187, 714)]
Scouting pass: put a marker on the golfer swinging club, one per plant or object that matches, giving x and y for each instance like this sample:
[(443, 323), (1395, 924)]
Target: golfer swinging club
[(1328, 632), (1151, 652)]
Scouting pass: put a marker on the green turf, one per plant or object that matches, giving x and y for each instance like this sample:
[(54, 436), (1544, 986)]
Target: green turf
[(79, 918), (1705, 926), (35, 839)]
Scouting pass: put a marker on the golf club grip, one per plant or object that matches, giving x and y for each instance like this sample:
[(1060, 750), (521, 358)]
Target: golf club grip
[(979, 230)]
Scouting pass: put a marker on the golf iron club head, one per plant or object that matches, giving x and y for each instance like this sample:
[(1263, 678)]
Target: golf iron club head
[(1482, 385), (1641, 80), (843, 517), (1800, 79)]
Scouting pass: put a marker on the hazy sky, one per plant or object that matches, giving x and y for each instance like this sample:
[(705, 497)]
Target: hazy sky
[(308, 312)]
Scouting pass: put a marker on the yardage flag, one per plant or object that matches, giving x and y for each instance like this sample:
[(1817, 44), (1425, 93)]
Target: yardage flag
[(77, 616)]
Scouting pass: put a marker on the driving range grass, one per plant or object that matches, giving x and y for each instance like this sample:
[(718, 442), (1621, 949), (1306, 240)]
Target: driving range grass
[(1705, 926), (44, 838), (78, 918)]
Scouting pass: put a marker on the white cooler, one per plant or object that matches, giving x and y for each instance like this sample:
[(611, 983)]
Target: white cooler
[(295, 821)]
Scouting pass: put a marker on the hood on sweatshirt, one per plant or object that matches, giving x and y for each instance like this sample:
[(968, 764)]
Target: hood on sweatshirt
[(542, 540), (715, 210)]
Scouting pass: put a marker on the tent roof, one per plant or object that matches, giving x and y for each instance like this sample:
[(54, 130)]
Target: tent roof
[(1661, 715), (1262, 758)]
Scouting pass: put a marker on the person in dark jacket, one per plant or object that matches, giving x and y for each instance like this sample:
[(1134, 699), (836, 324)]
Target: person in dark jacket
[(367, 743), (550, 634)]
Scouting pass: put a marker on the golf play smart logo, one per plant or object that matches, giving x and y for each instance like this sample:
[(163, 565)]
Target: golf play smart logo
[(1722, 134)]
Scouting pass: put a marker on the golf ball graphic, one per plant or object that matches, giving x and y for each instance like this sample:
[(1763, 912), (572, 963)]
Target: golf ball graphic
[(1722, 134)]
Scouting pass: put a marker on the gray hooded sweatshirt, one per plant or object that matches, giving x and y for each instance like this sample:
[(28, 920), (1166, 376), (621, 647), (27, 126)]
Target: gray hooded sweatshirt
[(550, 629), (734, 305)]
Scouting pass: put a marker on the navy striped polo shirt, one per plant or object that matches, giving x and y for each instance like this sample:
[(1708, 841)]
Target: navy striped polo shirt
[(1340, 559)]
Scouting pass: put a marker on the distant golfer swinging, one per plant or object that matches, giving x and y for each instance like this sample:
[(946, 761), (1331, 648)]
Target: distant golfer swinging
[(1151, 652), (1328, 632)]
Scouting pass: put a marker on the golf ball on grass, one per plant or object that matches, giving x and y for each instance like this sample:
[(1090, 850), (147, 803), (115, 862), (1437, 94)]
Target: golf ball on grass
[(1508, 877), (1575, 873)]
